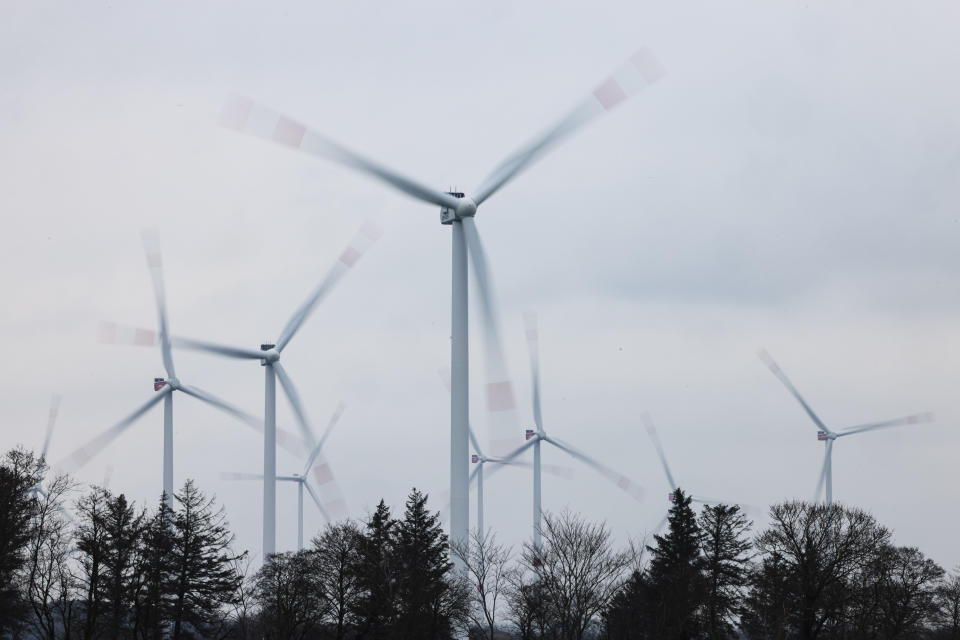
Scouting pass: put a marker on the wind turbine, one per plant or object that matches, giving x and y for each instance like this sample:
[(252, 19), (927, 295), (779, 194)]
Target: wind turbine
[(539, 434), (458, 211), (652, 432), (163, 388), (827, 436), (321, 473), (269, 357)]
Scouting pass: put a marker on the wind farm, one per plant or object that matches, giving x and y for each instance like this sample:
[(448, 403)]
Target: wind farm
[(666, 202)]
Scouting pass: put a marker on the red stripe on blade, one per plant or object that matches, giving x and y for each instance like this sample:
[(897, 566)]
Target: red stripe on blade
[(322, 473), (609, 94), (289, 132), (143, 337), (349, 256), (235, 112), (500, 396)]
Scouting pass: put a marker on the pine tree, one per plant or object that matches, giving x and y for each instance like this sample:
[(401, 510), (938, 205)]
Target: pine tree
[(376, 574), (124, 528), (152, 573), (92, 544), (19, 471), (421, 552), (676, 573), (203, 573), (726, 557)]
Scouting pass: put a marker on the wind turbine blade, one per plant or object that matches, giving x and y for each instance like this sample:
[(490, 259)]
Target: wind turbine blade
[(639, 72), (82, 456), (501, 403), (242, 114), (51, 421), (823, 470), (652, 432), (113, 333), (623, 482), (556, 470), (361, 241), (239, 475), (316, 501), (151, 245), (533, 342), (291, 392), (777, 371), (219, 349), (330, 425), (897, 422), (505, 461), (444, 373)]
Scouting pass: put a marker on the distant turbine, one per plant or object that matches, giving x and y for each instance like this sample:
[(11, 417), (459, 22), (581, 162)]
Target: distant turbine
[(458, 211), (827, 436), (535, 436), (269, 357), (321, 474), (164, 388)]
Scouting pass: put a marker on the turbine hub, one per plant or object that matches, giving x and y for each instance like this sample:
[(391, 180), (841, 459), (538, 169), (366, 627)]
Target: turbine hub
[(270, 354), (173, 382), (467, 208)]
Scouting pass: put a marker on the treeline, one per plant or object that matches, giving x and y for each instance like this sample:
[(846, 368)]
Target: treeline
[(115, 571)]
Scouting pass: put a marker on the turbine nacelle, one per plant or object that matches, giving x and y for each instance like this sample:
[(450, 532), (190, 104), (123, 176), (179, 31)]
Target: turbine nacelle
[(270, 354), (467, 208)]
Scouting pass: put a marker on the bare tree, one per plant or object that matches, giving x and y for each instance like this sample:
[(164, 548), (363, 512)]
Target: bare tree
[(335, 558), (487, 570), (949, 598), (577, 570)]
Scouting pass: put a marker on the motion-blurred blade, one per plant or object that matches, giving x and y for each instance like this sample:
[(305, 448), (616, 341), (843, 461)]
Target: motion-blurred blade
[(239, 475), (652, 432), (533, 347), (82, 456), (916, 418), (639, 72), (151, 246), (444, 373), (823, 471), (507, 460), (113, 333), (326, 434), (242, 114), (556, 470), (777, 371), (361, 241), (316, 501), (623, 482), (501, 403), (219, 349), (51, 421), (285, 439), (296, 404)]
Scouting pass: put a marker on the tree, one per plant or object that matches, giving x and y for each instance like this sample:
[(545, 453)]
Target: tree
[(203, 575), (908, 593), (676, 579), (726, 555), (949, 601), (425, 609), (335, 558), (527, 607), (289, 595), (765, 611), (19, 472), (152, 574), (376, 574), (487, 570), (577, 571), (92, 545), (124, 529), (629, 616), (821, 548)]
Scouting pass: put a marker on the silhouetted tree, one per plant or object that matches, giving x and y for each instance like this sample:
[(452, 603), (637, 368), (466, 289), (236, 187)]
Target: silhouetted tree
[(124, 528), (153, 574), (288, 593), (629, 616), (948, 598), (676, 574), (528, 609), (486, 564), (203, 576), (765, 612), (92, 547), (19, 471), (726, 556), (336, 552), (376, 574)]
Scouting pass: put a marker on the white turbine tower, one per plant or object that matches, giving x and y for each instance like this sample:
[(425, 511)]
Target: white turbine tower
[(163, 388), (539, 434), (244, 115), (827, 435), (321, 473), (269, 357)]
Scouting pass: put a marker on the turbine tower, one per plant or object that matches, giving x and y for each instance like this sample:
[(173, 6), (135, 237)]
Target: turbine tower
[(269, 357), (163, 387), (458, 211), (321, 473), (827, 435), (539, 434)]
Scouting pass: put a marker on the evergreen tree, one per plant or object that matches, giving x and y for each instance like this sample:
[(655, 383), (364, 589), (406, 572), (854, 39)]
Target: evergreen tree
[(676, 580), (376, 574), (629, 616), (203, 577), (768, 599), (124, 528), (153, 574), (19, 471), (92, 545), (423, 563), (726, 550)]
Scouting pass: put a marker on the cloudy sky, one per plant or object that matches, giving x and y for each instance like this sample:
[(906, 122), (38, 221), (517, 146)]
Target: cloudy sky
[(790, 184)]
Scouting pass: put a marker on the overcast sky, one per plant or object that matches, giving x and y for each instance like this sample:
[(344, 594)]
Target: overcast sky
[(791, 183)]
